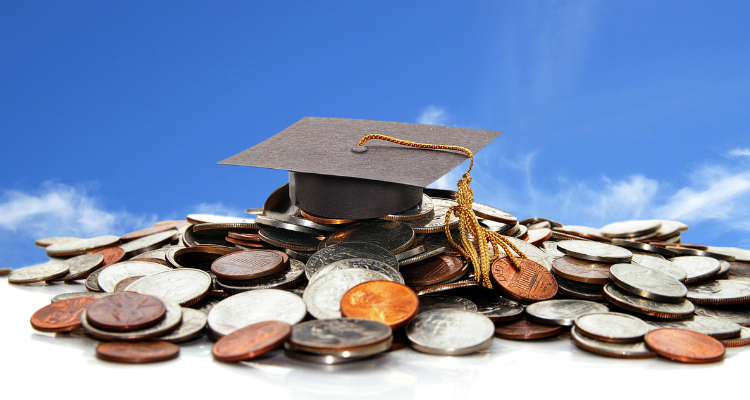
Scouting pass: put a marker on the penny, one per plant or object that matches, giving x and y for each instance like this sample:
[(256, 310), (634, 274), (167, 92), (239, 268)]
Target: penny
[(698, 268), (394, 236), (595, 251), (497, 308), (738, 314), (361, 263), (715, 327), (38, 273), (340, 336), (611, 349), (742, 340), (251, 341), (124, 312), (61, 316), (612, 327), (81, 266), (147, 243), (214, 219), (46, 242), (73, 295), (192, 325), (524, 329), (719, 292), (450, 332), (443, 302), (629, 244), (537, 236), (198, 257), (110, 276), (421, 210), (120, 287), (289, 277), (5, 271), (326, 221), (664, 266), (81, 246), (579, 290), (170, 321), (562, 312), (250, 264), (422, 256), (248, 308), (493, 213), (387, 302), (434, 270), (111, 255), (249, 237), (532, 253), (289, 239), (582, 270), (630, 229), (344, 251), (137, 353), (182, 286), (145, 232), (531, 282), (323, 294), (583, 232), (648, 283), (631, 302), (685, 346)]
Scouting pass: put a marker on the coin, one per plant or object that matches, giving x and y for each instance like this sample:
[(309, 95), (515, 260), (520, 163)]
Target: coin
[(110, 276), (251, 341), (146, 243), (73, 295), (81, 246), (612, 327), (628, 301), (158, 254), (255, 306), (532, 253), (289, 239), (323, 294), (38, 273), (193, 325), (421, 210), (170, 321), (499, 227), (629, 244), (390, 303), (579, 290), (326, 221), (191, 239), (137, 353), (493, 213), (444, 287), (252, 237), (5, 271), (562, 312), (174, 224), (394, 236), (450, 332), (664, 266), (583, 232), (595, 251), (698, 268), (497, 308), (630, 229), (685, 346), (215, 219), (524, 329), (435, 222), (739, 254), (442, 268), (742, 340), (648, 283), (341, 337), (723, 270), (198, 257), (443, 302), (719, 292), (537, 236), (737, 314), (145, 232), (289, 277), (124, 312), (343, 251), (582, 270), (61, 316), (551, 249), (182, 286), (715, 327), (532, 282), (681, 245), (422, 256), (92, 281), (325, 359), (361, 263), (611, 349), (297, 221), (120, 287), (250, 264), (111, 255), (221, 228), (275, 223), (46, 242), (81, 266), (411, 252)]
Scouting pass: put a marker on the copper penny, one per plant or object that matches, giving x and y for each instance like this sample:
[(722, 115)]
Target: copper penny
[(61, 316), (531, 283), (255, 245), (246, 237), (251, 341), (388, 302), (438, 269), (685, 346), (201, 257), (685, 245), (582, 270), (145, 232), (524, 329), (250, 264), (125, 282), (537, 236), (126, 311), (326, 221), (138, 352), (111, 255)]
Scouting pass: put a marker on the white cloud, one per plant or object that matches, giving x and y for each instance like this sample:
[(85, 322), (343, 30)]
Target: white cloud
[(739, 152), (218, 209), (433, 115)]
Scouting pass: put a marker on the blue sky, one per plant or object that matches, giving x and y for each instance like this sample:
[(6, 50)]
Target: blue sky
[(112, 114)]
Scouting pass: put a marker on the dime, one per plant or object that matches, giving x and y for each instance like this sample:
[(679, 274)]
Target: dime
[(46, 242), (422, 256), (387, 302), (579, 290), (361, 263), (38, 273), (289, 239), (648, 283), (215, 219), (612, 327), (631, 302), (442, 302), (110, 276), (290, 277), (182, 286), (630, 229), (344, 251), (326, 221), (198, 257), (250, 264), (581, 270), (742, 340), (627, 243), (450, 332), (698, 268), (145, 232), (435, 222), (61, 316), (610, 349), (537, 236), (494, 214), (170, 321), (583, 232), (562, 312), (531, 252), (81, 246), (92, 281), (524, 329), (715, 327), (342, 337), (137, 353), (531, 282), (442, 268), (685, 346), (497, 308), (73, 295), (120, 287), (421, 210), (719, 292), (664, 266), (594, 251), (739, 315), (255, 306), (124, 312), (323, 294), (251, 341), (81, 266), (193, 324), (111, 255), (394, 236), (146, 243)]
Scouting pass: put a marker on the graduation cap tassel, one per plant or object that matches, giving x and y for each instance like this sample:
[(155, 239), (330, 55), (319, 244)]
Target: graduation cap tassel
[(467, 219)]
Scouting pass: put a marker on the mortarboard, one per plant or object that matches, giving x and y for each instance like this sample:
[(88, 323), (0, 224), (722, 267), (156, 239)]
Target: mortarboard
[(331, 176)]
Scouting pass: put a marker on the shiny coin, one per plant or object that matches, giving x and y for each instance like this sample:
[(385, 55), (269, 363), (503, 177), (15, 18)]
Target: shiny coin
[(255, 306), (579, 290), (182, 286), (110, 276), (435, 222), (73, 295), (394, 236), (221, 228), (611, 349), (648, 283), (685, 251), (629, 244), (719, 292), (292, 219), (81, 246), (715, 327), (421, 210), (389, 303), (111, 255), (145, 232), (361, 263), (450, 332), (595, 251), (583, 232), (251, 341), (742, 340), (341, 337), (698, 268), (193, 325), (532, 253), (738, 314), (174, 224), (685, 346), (198, 257), (289, 239), (494, 214), (443, 302), (251, 264), (612, 327), (628, 301), (323, 294), (442, 268), (682, 245), (562, 312), (326, 221), (630, 229), (46, 242), (275, 223), (411, 252), (317, 358), (61, 316), (137, 353), (524, 329), (81, 266), (582, 270), (664, 266), (497, 308), (532, 282), (289, 277), (124, 312), (38, 273), (147, 243), (538, 236), (499, 227), (422, 256), (170, 321), (344, 251)]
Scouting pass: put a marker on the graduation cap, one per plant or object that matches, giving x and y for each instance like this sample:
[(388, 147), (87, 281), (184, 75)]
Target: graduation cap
[(331, 176)]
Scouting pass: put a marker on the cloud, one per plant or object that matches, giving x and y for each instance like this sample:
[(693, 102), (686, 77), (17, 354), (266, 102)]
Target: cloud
[(739, 152), (218, 209), (433, 115)]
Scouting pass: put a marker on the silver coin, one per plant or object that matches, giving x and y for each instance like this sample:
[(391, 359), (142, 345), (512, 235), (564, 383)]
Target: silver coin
[(111, 275), (579, 290), (193, 325), (583, 231), (74, 295), (539, 225), (422, 256), (664, 266), (435, 222), (711, 326), (171, 320), (550, 248), (357, 353), (323, 294), (317, 358), (610, 349), (648, 283), (739, 315), (640, 254), (46, 242), (630, 229), (742, 340), (92, 283), (638, 304), (532, 252), (612, 327), (670, 228), (159, 254), (291, 219), (147, 243), (493, 214), (248, 308), (343, 251), (215, 219), (723, 270), (361, 263), (411, 252), (273, 223), (562, 312), (497, 308), (81, 266), (80, 246), (289, 239), (684, 251), (738, 254), (182, 286), (450, 332), (302, 256), (421, 210), (341, 337), (38, 273), (595, 251), (291, 276), (719, 292), (535, 220), (499, 227), (631, 245), (394, 236), (442, 302), (698, 268)]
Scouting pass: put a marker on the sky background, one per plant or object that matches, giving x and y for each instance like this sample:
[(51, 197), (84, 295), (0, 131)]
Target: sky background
[(112, 114)]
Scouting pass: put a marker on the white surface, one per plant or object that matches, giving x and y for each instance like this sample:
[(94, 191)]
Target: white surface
[(40, 365)]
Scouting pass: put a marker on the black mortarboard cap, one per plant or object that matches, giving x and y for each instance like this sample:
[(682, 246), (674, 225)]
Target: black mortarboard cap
[(331, 176)]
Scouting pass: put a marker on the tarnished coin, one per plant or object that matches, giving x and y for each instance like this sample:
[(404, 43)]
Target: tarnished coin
[(145, 232), (343, 251), (648, 283), (251, 341), (193, 324), (323, 294), (611, 349), (361, 263), (182, 286), (170, 321), (81, 246), (147, 243), (81, 266), (742, 340), (120, 287), (685, 346), (493, 213), (250, 264), (287, 278), (421, 210), (737, 314), (579, 290), (38, 273), (595, 251), (719, 292), (531, 252), (442, 302), (628, 301), (248, 308), (585, 232), (394, 236), (92, 281), (531, 283), (524, 329), (715, 327), (450, 332), (538, 236), (73, 295), (124, 312), (244, 236), (612, 327), (631, 245), (582, 270), (46, 242), (442, 268), (61, 316), (110, 276), (698, 268), (289, 239), (435, 222), (663, 266), (198, 257), (562, 312), (137, 353), (630, 229), (390, 303), (111, 255), (497, 308)]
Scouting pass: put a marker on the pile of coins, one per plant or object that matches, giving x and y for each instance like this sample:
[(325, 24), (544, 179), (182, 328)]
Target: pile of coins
[(333, 290)]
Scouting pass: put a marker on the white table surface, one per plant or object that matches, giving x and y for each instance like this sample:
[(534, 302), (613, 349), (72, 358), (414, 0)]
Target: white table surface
[(58, 366)]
